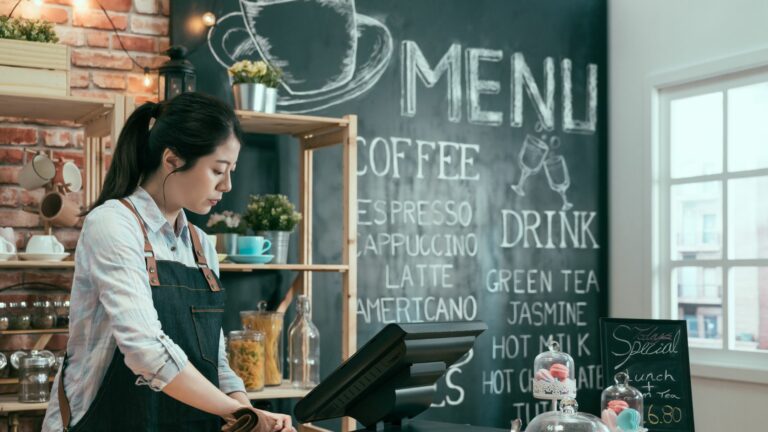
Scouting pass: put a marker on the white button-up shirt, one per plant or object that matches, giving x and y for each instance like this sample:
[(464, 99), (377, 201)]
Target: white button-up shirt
[(111, 304)]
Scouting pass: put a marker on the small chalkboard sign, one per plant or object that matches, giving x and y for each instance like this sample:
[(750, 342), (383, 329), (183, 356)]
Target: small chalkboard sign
[(654, 353)]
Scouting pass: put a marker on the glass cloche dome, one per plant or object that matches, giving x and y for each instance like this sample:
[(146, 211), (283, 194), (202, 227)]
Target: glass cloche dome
[(622, 406), (554, 374), (568, 419)]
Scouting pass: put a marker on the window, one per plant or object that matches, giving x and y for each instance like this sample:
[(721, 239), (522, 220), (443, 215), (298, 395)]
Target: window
[(713, 211)]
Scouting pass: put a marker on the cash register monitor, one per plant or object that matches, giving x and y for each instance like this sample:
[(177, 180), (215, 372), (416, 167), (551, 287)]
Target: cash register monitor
[(393, 376)]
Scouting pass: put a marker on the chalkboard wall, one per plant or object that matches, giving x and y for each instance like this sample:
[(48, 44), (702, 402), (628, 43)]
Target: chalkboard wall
[(482, 171)]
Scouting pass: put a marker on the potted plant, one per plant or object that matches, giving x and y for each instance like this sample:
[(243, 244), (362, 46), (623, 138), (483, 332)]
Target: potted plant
[(31, 61), (251, 84), (227, 226), (273, 217)]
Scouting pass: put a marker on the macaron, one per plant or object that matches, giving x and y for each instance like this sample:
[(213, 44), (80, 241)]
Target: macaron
[(628, 420), (617, 405), (559, 371), (609, 418), (544, 375)]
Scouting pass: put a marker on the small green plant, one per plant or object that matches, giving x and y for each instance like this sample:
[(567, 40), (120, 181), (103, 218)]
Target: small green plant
[(226, 222), (27, 29), (272, 77), (271, 213), (258, 72)]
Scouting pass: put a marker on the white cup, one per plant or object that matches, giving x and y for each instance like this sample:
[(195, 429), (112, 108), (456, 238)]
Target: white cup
[(44, 244), (37, 173), (9, 238), (7, 247)]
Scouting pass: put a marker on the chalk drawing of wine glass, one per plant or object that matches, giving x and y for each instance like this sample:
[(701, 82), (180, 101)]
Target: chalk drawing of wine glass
[(530, 160), (558, 177)]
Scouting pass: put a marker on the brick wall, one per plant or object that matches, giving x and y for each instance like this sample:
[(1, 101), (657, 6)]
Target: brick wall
[(100, 69)]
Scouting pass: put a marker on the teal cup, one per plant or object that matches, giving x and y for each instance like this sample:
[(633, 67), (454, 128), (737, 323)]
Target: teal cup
[(253, 245)]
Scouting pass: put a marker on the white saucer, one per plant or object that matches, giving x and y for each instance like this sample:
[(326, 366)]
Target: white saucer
[(4, 256), (42, 256)]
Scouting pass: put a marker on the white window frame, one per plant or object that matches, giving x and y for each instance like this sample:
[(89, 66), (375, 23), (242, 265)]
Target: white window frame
[(718, 75)]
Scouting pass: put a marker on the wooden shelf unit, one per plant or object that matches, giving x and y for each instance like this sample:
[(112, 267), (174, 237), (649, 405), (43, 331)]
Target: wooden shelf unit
[(106, 118), (99, 120), (315, 133)]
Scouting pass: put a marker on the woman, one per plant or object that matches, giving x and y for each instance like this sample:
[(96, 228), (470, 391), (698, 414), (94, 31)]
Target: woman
[(146, 350)]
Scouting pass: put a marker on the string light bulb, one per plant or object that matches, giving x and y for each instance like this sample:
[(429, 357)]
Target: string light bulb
[(37, 2), (147, 77), (209, 19), (80, 4)]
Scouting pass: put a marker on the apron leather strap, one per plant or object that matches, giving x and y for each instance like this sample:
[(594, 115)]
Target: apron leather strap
[(66, 412), (149, 254), (197, 249)]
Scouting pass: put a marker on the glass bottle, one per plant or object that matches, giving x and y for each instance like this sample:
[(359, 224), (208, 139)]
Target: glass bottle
[(4, 316), (34, 372), (304, 347), (19, 316), (43, 315), (62, 313), (3, 365)]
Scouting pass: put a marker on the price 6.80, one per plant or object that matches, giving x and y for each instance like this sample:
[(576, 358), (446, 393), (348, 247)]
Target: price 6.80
[(666, 414)]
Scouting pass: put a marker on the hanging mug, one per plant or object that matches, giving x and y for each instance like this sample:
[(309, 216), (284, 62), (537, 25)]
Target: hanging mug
[(59, 210), (68, 176), (37, 173)]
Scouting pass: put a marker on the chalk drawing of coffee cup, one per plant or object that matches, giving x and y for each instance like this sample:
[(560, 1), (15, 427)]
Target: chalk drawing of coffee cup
[(334, 56)]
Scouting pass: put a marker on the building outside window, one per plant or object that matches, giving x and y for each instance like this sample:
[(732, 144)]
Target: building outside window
[(713, 210)]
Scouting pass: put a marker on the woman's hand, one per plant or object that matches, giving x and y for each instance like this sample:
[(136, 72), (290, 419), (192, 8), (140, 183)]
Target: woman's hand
[(249, 419), (282, 421)]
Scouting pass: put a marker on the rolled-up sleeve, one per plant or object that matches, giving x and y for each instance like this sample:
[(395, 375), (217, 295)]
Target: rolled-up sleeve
[(229, 382), (118, 271)]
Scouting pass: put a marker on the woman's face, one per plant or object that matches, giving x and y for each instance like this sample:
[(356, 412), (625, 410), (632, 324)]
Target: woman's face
[(201, 187)]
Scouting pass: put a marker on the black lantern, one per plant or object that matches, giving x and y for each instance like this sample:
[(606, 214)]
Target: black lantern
[(177, 75)]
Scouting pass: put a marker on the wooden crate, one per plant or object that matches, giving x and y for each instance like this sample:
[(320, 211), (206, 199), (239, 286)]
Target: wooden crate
[(34, 68)]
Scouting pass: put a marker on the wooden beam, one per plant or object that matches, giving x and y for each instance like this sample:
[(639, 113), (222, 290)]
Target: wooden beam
[(42, 341), (99, 126), (305, 207), (349, 250), (309, 427), (286, 302), (325, 140)]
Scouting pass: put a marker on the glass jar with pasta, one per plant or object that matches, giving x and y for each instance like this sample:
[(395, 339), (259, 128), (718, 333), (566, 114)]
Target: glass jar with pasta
[(246, 357), (271, 325)]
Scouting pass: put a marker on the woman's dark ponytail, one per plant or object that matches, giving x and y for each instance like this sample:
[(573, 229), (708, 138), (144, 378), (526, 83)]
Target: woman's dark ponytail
[(127, 160), (192, 125)]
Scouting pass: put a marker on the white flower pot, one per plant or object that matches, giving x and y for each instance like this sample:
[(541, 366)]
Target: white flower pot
[(270, 100)]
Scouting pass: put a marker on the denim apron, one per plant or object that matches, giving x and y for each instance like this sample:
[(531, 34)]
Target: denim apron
[(190, 305)]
